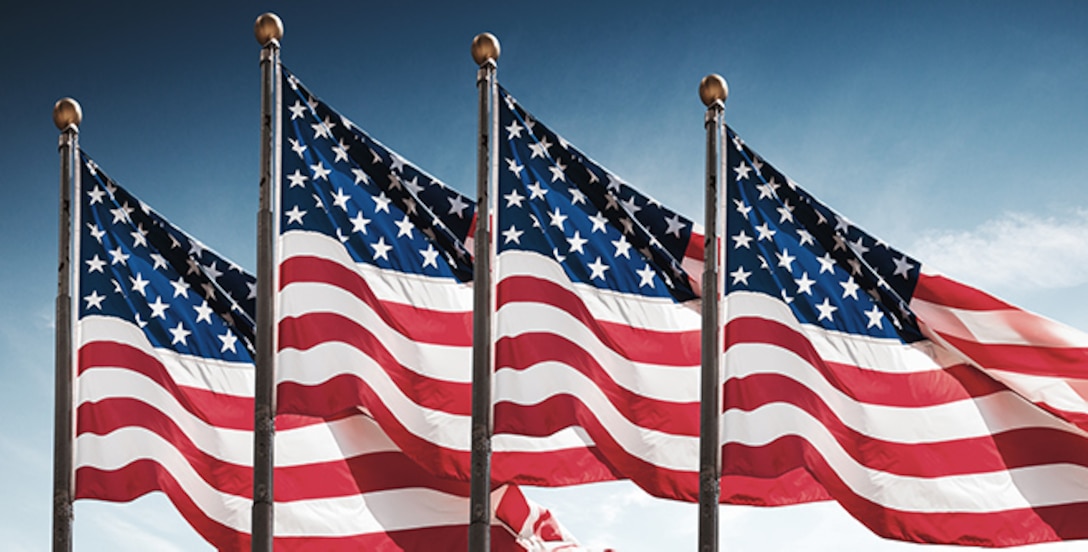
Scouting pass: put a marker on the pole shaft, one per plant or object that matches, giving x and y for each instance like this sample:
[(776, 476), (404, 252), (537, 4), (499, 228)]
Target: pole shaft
[(710, 407), (479, 532), (265, 384), (63, 415)]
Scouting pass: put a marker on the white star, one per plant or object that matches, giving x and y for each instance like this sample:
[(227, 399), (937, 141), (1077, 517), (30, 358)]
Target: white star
[(630, 206), (341, 151), (320, 172), (358, 224), (96, 232), (396, 162), (212, 271), (805, 237), (381, 203), (557, 219), (623, 248), (840, 242), (96, 195), (139, 285), (94, 300), (295, 215), (675, 226), (514, 130), (405, 227), (765, 232), (558, 257), (855, 266), (536, 191), (118, 255), (180, 334), (121, 214), (513, 166), (430, 256), (297, 179), (902, 267), (158, 308), (203, 312), (858, 247), (597, 269), (513, 198), (629, 227), (512, 235), (842, 224), (577, 242), (742, 207), (540, 149), (576, 196), (95, 265), (875, 317), (297, 146), (381, 250), (557, 171), (457, 206), (849, 288), (159, 260), (785, 212), (768, 190), (804, 285), (340, 199), (742, 171), (742, 240), (826, 309), (297, 110), (360, 176), (646, 276), (323, 129), (228, 340), (785, 260), (740, 276)]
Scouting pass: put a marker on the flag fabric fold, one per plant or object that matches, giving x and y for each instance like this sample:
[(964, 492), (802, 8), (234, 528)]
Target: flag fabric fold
[(164, 402), (932, 411)]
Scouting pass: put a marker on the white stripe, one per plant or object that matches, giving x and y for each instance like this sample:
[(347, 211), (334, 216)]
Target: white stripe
[(1001, 327), (963, 419), (651, 313), (229, 378), (1047, 390), (666, 383), (871, 353), (1046, 485), (442, 362), (443, 294)]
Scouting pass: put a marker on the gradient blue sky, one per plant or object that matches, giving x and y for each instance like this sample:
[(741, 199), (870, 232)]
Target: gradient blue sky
[(954, 130)]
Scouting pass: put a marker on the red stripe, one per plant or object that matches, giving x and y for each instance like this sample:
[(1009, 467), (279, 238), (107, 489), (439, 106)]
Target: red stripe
[(145, 476), (527, 350), (1001, 528), (669, 348), (910, 389), (1017, 448), (216, 409), (1055, 362), (313, 329), (950, 293), (695, 248), (416, 323)]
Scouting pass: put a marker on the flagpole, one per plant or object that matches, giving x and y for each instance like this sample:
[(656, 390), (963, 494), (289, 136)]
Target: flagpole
[(268, 30), (485, 52), (713, 91), (67, 115)]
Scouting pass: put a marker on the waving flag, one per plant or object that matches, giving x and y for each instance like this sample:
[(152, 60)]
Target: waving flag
[(931, 411), (597, 356), (165, 403)]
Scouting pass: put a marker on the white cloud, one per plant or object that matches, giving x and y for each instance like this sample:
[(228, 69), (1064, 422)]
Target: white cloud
[(1017, 250)]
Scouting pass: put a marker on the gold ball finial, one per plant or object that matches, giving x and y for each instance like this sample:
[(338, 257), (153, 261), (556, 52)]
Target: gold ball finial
[(485, 47), (66, 112), (268, 28), (713, 88)]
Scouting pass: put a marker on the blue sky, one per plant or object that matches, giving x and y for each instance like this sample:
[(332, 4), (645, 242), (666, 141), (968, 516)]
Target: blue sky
[(954, 130)]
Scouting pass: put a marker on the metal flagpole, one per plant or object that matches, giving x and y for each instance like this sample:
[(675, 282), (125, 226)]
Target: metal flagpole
[(268, 31), (713, 91), (485, 51), (66, 115)]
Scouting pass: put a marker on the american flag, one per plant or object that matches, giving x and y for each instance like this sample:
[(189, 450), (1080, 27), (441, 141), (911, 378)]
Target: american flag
[(375, 298), (164, 398), (597, 351), (930, 410)]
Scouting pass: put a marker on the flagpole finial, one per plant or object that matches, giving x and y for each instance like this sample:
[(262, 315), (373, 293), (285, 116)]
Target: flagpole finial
[(485, 47), (713, 88), (268, 27), (66, 113)]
